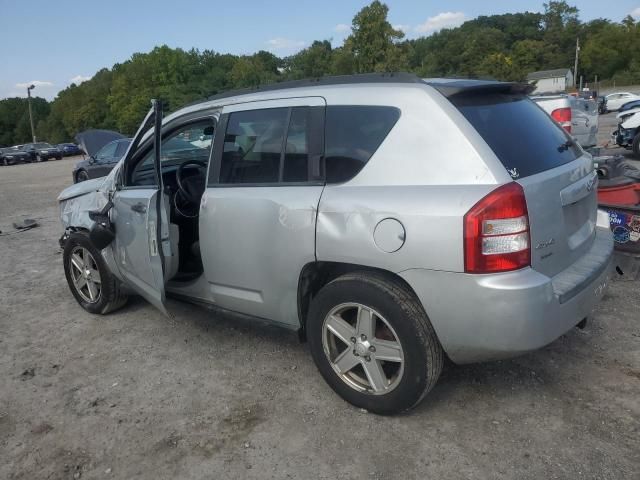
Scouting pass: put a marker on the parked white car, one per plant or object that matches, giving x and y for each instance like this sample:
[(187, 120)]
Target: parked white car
[(616, 100), (627, 134)]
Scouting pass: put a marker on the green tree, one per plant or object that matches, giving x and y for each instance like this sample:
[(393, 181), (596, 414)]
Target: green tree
[(373, 41), (314, 61)]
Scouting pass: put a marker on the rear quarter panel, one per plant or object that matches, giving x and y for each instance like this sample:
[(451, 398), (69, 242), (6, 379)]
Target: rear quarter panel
[(428, 172)]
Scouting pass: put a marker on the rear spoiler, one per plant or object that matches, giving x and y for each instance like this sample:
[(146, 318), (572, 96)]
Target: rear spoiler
[(457, 87)]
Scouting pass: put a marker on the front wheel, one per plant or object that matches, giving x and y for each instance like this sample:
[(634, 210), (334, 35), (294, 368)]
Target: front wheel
[(373, 343), (38, 159), (635, 146), (82, 176), (90, 280)]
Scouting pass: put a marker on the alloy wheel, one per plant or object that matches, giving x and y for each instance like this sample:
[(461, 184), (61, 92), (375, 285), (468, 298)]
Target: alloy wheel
[(85, 274), (362, 348)]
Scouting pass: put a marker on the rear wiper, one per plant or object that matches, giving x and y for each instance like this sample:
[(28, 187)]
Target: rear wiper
[(565, 146)]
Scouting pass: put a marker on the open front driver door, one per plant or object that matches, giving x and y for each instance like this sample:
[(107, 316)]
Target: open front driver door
[(141, 221)]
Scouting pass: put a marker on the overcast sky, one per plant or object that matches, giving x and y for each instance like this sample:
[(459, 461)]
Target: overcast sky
[(53, 43)]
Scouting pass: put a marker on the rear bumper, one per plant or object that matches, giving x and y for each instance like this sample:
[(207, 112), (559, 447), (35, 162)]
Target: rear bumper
[(488, 317)]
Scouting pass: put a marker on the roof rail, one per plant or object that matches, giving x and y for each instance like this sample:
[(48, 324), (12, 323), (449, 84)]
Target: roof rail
[(399, 77)]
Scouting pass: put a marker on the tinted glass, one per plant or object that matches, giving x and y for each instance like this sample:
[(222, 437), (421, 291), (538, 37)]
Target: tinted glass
[(296, 158), (352, 135), (522, 135), (252, 146)]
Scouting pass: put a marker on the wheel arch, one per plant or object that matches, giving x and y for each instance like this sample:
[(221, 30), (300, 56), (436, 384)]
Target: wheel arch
[(315, 275)]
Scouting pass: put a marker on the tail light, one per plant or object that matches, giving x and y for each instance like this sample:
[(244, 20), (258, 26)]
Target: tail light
[(496, 232), (563, 117)]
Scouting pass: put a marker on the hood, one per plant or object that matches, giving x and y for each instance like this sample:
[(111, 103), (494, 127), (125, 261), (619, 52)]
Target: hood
[(93, 140), (81, 188)]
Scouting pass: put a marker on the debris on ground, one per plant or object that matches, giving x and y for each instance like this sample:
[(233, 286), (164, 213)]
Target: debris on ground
[(41, 428), (25, 224)]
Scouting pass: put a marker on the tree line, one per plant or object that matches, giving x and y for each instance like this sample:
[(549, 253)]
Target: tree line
[(504, 47)]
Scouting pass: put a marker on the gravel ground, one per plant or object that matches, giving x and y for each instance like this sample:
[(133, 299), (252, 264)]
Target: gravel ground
[(135, 394)]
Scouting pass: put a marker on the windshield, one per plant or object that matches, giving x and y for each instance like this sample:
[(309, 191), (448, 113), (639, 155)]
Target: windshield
[(522, 135)]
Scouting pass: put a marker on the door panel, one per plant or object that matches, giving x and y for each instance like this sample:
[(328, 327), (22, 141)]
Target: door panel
[(136, 247), (254, 243)]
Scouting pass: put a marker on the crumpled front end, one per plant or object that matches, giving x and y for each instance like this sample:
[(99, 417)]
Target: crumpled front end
[(74, 212), (76, 201)]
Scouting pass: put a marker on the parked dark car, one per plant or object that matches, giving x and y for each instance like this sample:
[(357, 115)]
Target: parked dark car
[(13, 155), (602, 105), (102, 159), (41, 151), (629, 105), (69, 149)]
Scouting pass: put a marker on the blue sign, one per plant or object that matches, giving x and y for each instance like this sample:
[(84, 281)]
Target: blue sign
[(617, 218)]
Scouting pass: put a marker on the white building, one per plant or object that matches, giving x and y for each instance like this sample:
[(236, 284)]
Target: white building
[(551, 81)]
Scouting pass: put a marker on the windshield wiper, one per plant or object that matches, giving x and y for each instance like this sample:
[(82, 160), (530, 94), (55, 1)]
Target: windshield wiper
[(565, 146)]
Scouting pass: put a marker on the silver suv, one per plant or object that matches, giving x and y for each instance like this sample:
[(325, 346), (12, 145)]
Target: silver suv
[(390, 220)]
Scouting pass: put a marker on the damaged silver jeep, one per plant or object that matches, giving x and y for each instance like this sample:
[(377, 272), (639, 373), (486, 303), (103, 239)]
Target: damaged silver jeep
[(389, 219)]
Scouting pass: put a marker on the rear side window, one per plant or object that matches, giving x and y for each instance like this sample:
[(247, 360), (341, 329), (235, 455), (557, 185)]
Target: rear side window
[(352, 135), (523, 137)]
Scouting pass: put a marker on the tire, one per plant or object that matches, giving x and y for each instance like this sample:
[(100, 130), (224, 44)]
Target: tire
[(635, 145), (59, 157), (398, 314), (109, 297), (38, 159), (82, 176)]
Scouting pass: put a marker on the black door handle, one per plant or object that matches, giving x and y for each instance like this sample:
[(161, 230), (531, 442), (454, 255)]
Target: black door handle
[(139, 207)]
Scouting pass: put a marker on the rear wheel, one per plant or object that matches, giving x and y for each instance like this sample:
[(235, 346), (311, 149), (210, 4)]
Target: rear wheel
[(90, 280), (373, 343)]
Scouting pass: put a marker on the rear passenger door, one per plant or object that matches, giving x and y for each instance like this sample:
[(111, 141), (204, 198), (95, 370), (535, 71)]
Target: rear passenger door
[(258, 213)]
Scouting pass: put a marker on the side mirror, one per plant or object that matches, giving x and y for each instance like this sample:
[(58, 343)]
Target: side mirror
[(92, 159), (102, 232)]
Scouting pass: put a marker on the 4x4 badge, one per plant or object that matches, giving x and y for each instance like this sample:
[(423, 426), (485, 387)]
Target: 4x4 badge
[(545, 244)]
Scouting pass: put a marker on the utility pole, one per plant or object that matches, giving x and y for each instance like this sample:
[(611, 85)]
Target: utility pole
[(575, 65), (33, 133)]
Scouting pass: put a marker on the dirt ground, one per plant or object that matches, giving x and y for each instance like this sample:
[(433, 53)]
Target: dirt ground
[(137, 395)]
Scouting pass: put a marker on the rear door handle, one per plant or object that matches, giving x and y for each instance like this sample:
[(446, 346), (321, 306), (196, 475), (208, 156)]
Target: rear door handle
[(139, 207)]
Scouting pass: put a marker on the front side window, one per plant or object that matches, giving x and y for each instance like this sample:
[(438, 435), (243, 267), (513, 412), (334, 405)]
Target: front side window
[(352, 135), (190, 142)]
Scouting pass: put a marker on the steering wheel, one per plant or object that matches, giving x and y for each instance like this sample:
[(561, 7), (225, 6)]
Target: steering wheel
[(192, 187)]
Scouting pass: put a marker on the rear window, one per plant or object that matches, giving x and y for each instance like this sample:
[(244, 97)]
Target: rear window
[(352, 135), (523, 137)]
